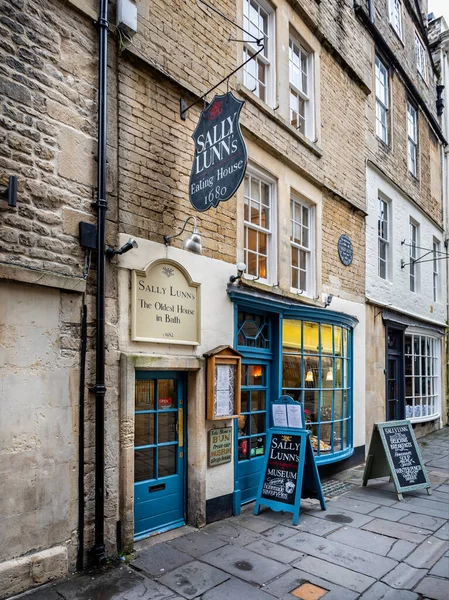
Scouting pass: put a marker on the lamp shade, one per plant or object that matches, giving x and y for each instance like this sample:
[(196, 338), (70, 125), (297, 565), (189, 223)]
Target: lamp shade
[(193, 243), (309, 376)]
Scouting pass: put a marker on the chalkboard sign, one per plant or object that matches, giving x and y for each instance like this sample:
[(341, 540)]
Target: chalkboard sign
[(394, 451), (289, 473)]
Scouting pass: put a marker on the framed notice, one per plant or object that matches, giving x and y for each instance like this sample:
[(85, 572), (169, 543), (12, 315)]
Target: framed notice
[(223, 383), (220, 446), (394, 451), (286, 412)]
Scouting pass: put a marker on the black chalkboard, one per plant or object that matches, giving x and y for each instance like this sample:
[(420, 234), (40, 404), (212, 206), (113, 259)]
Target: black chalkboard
[(281, 473), (394, 451)]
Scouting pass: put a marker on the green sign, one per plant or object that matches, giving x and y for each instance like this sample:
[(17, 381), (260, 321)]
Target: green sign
[(220, 446)]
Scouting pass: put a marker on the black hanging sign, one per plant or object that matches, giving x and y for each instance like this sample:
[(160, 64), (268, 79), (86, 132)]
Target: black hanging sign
[(394, 451), (220, 158)]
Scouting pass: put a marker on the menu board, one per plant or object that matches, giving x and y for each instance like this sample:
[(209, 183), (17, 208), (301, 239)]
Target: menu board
[(394, 451), (281, 473)]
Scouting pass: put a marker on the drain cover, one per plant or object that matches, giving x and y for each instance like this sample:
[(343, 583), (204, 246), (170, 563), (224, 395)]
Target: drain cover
[(334, 487)]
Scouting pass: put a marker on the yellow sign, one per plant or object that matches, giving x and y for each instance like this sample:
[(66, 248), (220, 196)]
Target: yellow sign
[(165, 305)]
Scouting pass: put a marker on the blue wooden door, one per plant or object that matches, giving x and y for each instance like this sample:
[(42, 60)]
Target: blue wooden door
[(251, 431), (159, 456)]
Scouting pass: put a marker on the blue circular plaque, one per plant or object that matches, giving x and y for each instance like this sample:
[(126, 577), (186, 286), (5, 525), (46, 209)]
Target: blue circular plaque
[(345, 249)]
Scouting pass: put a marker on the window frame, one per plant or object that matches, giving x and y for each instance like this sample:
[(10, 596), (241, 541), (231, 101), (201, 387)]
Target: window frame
[(413, 255), (412, 142), (310, 250), (307, 97), (383, 104), (420, 53), (385, 242), (396, 17), (266, 58), (271, 232), (430, 379)]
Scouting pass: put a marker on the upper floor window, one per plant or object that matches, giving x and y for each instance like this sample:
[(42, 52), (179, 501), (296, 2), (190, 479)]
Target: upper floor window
[(259, 220), (396, 16), (301, 88), (420, 56), (381, 100), (301, 243), (412, 135), (413, 255), (436, 273), (383, 218), (258, 73)]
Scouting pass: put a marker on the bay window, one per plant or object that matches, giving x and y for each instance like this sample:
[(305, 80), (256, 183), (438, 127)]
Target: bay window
[(422, 368)]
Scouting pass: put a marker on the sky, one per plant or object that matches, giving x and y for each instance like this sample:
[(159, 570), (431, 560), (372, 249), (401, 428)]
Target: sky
[(440, 8)]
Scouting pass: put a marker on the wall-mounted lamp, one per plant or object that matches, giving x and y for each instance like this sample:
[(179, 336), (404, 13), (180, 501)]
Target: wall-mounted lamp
[(10, 193), (130, 244), (192, 242), (241, 268), (327, 300)]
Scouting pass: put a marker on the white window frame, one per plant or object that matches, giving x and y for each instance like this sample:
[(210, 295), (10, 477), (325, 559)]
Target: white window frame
[(413, 255), (271, 232), (382, 99), (421, 61), (412, 139), (297, 88), (428, 381), (266, 58), (396, 17), (297, 244), (436, 270), (381, 231)]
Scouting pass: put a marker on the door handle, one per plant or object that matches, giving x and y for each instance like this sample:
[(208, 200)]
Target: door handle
[(180, 427)]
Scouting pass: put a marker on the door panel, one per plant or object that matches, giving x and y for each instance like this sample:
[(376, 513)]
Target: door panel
[(159, 489), (393, 372)]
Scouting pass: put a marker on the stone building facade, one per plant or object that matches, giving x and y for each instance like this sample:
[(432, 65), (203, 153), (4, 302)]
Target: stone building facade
[(297, 316)]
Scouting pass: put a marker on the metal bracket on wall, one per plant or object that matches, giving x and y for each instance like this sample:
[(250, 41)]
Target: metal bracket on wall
[(10, 192)]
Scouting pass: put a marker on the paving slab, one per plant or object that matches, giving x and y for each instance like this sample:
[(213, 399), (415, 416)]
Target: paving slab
[(353, 504), (443, 532), (427, 553), (244, 564), (426, 503), (423, 521), (232, 533), (434, 588), (193, 579), (404, 577), (281, 587), (388, 513), (160, 559), (275, 551), (252, 522), (278, 533), (43, 593), (340, 516), (396, 530), (198, 543), (375, 496), (311, 524), (441, 568), (234, 589), (365, 540), (356, 582), (438, 496), (443, 488), (122, 583), (381, 591), (401, 549), (342, 555)]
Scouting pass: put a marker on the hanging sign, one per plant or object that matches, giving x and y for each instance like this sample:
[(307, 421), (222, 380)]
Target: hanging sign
[(220, 158), (290, 472), (394, 451)]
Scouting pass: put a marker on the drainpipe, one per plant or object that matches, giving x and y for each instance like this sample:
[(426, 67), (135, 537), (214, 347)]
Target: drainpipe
[(100, 389)]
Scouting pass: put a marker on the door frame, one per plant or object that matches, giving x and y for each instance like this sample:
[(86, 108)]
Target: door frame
[(400, 355)]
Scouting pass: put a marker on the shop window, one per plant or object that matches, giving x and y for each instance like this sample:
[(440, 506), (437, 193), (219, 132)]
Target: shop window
[(252, 420), (316, 372), (301, 88), (259, 227), (301, 245), (421, 377), (382, 100), (258, 73), (253, 331)]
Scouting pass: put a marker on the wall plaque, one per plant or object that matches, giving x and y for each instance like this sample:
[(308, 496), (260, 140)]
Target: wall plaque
[(165, 305), (220, 446), (345, 249), (220, 159)]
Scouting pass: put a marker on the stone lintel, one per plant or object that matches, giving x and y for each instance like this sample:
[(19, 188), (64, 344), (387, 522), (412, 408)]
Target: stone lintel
[(19, 274)]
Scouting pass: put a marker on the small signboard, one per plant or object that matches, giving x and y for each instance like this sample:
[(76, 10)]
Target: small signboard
[(290, 472), (220, 159), (223, 383), (394, 451), (286, 412), (220, 446)]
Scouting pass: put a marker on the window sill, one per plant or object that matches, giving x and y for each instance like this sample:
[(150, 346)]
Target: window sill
[(397, 34), (424, 419), (269, 112), (383, 145)]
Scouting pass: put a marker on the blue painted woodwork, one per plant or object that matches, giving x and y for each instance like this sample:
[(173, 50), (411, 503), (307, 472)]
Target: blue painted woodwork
[(159, 500)]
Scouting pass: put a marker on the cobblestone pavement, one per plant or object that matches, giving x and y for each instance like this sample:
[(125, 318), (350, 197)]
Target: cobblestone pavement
[(366, 545)]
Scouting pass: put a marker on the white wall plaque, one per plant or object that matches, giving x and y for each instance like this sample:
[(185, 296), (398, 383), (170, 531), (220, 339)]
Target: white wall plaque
[(165, 305)]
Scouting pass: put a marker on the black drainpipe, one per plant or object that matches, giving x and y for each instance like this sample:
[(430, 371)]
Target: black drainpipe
[(100, 389), (80, 555)]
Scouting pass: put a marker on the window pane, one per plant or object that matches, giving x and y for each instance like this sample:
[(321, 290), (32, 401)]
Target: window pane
[(291, 371), (255, 375), (167, 460), (144, 464), (244, 400), (144, 429), (167, 427), (166, 393), (144, 395), (258, 400)]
